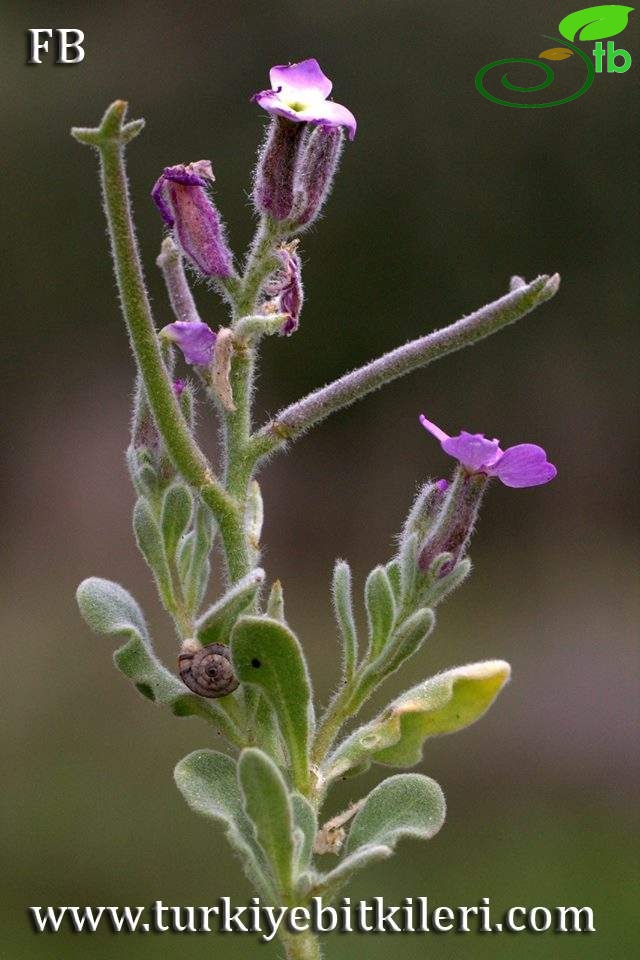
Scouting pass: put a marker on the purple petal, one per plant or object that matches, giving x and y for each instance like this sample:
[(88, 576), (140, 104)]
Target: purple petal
[(195, 339), (331, 114), (473, 450), (442, 486), (158, 195), (301, 81), (524, 465), (433, 429)]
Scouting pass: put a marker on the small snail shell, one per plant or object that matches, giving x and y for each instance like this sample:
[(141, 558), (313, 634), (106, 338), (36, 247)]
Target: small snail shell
[(207, 671)]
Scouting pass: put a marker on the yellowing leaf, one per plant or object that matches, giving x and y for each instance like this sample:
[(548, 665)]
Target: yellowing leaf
[(556, 53)]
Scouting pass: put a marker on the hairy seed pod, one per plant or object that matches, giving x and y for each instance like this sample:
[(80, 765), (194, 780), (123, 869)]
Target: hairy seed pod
[(207, 671)]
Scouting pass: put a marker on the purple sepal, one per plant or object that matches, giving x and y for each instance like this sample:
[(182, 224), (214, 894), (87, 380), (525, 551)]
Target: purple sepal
[(194, 338), (185, 206), (317, 167), (299, 93), (275, 175), (523, 465)]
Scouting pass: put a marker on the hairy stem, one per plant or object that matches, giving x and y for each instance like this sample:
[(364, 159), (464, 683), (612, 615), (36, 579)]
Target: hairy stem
[(313, 409), (302, 946), (110, 139)]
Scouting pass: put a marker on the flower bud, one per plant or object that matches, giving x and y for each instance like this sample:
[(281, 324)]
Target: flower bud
[(181, 197), (317, 168), (273, 190), (454, 524)]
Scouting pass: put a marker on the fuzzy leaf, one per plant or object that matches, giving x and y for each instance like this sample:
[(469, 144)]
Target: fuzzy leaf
[(443, 704), (306, 824), (216, 624), (177, 508), (343, 607), (595, 23), (267, 654), (150, 543), (329, 885), (406, 640), (209, 783), (381, 609), (268, 806), (108, 608), (406, 805)]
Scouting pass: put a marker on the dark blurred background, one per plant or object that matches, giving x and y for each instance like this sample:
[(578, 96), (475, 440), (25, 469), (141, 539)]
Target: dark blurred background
[(442, 196)]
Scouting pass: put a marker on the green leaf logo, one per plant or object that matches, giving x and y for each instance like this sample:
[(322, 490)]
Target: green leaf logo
[(595, 23)]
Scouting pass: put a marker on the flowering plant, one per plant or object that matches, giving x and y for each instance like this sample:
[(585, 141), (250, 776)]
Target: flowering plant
[(241, 667)]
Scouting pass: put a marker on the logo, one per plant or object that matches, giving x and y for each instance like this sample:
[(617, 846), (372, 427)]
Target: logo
[(592, 23)]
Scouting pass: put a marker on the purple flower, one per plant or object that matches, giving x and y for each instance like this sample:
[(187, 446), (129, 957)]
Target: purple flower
[(524, 465), (178, 386), (195, 339), (181, 197), (286, 286), (299, 92)]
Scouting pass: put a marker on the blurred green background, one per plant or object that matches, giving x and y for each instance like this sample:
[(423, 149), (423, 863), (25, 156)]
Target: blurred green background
[(440, 198)]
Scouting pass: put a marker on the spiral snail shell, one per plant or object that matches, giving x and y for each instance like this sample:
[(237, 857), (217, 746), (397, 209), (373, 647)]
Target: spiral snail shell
[(207, 671)]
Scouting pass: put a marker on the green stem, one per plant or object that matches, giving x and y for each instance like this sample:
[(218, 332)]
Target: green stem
[(110, 139)]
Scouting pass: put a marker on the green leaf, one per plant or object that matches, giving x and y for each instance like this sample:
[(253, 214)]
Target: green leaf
[(216, 624), (306, 824), (408, 566), (406, 641), (406, 805), (196, 575), (177, 508), (329, 885), (268, 806), (381, 610), (595, 23), (343, 607), (443, 704), (437, 590), (267, 655), (108, 608), (209, 783), (151, 545)]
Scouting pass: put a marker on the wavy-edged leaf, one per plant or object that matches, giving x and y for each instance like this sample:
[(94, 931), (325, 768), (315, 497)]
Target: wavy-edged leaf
[(268, 807), (215, 625), (595, 23), (208, 781), (405, 805), (267, 655), (442, 704), (108, 608), (556, 53)]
